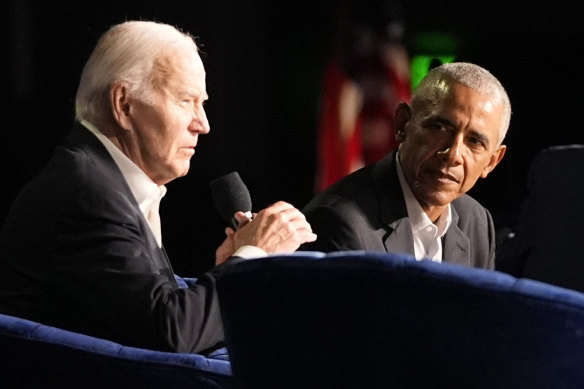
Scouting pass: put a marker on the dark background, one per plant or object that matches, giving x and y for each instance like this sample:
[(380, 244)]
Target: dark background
[(264, 62)]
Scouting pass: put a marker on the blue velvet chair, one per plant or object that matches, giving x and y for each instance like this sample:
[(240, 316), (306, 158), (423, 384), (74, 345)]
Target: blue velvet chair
[(363, 320), (33, 355)]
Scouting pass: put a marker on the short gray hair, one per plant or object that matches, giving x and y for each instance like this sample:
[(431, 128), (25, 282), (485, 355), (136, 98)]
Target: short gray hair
[(126, 52), (468, 74)]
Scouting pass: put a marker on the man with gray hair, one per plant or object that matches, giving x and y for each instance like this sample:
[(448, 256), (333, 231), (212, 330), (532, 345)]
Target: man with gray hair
[(81, 248), (414, 200)]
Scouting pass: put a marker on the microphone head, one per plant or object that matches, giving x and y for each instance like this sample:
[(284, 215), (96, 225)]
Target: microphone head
[(230, 195)]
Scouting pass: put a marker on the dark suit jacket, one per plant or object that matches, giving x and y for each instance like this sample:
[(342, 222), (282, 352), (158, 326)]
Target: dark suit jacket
[(77, 253), (355, 213)]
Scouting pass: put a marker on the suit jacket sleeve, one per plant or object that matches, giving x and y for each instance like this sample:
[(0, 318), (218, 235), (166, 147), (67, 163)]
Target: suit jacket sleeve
[(335, 229), (105, 257), (76, 252)]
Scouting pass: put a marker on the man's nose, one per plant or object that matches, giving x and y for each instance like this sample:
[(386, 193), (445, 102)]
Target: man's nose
[(199, 122), (451, 151)]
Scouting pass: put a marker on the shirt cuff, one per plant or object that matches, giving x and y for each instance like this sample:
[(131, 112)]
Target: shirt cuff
[(248, 251)]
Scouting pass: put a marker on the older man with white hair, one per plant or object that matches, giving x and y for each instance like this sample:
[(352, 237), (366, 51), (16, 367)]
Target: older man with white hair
[(81, 247)]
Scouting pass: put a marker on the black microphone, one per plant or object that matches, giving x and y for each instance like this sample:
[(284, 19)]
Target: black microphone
[(230, 195)]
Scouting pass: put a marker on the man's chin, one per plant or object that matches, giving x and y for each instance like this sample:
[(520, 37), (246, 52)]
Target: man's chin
[(184, 172), (438, 198), (180, 171)]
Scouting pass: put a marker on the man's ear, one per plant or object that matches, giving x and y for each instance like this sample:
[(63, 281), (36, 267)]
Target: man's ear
[(402, 117), (120, 104), (496, 157)]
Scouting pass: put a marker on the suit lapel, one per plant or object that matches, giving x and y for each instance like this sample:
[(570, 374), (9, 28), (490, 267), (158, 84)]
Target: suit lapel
[(390, 198), (82, 137), (400, 238), (392, 207), (394, 215), (167, 270), (456, 245)]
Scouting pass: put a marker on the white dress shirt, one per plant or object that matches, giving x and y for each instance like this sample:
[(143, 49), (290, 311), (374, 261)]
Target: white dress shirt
[(148, 194), (427, 235)]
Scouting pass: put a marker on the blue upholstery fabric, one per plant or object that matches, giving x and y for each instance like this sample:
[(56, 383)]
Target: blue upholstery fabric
[(36, 355), (362, 320), (183, 282)]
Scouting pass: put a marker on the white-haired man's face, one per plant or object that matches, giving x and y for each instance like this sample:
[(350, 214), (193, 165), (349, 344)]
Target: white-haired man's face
[(445, 149), (165, 132)]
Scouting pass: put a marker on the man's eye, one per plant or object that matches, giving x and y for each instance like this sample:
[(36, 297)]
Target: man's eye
[(436, 127), (186, 102), (476, 143)]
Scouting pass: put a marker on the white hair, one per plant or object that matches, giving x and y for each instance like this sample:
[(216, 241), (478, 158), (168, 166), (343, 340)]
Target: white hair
[(468, 74), (126, 52)]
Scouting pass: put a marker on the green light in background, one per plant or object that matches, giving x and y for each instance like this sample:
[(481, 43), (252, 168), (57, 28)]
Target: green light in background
[(420, 65), (431, 49)]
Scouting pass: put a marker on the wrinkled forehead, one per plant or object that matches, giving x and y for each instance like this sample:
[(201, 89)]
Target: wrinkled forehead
[(445, 91), (464, 95), (179, 60), (197, 62), (183, 66), (465, 106)]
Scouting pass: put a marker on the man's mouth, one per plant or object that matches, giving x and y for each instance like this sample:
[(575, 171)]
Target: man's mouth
[(444, 177)]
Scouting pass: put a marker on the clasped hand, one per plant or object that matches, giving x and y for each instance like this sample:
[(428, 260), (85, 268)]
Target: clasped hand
[(277, 229)]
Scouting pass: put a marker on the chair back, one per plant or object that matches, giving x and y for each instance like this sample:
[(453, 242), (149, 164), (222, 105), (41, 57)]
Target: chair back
[(547, 245), (359, 320)]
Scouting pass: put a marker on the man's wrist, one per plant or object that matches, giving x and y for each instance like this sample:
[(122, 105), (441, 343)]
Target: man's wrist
[(249, 251)]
